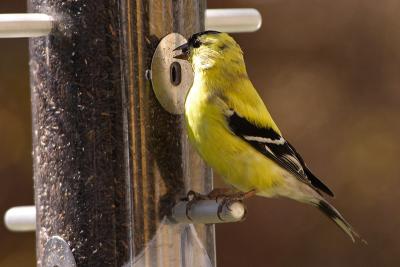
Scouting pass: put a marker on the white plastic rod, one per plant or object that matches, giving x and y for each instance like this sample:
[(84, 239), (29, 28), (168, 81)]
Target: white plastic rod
[(21, 219), (25, 25), (206, 211), (233, 20), (224, 20)]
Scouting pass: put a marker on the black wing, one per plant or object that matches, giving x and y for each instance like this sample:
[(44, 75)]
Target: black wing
[(276, 148)]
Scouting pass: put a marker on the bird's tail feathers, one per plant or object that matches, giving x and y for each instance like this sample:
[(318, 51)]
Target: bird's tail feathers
[(335, 216)]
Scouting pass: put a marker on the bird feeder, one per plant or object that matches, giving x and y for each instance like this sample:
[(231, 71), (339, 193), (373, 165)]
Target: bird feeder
[(110, 152)]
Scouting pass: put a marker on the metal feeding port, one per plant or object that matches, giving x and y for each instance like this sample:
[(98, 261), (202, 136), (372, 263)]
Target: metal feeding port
[(171, 78)]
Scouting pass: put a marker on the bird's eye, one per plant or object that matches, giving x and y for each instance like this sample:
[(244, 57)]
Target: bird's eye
[(196, 43)]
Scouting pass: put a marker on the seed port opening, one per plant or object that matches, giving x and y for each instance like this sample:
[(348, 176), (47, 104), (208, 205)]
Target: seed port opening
[(175, 73)]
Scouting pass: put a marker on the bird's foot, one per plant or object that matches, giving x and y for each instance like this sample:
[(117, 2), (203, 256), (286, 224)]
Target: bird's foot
[(220, 193)]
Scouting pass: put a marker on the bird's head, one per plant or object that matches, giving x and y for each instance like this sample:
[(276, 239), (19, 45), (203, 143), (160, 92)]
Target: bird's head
[(207, 49)]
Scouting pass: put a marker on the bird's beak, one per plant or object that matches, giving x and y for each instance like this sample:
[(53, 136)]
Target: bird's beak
[(182, 52)]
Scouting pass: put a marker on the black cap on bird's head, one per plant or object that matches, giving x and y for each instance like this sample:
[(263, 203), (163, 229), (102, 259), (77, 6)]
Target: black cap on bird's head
[(209, 49), (193, 42)]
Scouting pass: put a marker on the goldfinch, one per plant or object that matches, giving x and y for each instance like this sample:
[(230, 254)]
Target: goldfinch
[(234, 133)]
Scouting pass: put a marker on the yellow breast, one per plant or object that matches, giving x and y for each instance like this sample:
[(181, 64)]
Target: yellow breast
[(230, 156)]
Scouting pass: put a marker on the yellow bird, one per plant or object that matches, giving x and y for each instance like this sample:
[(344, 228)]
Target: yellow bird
[(234, 133)]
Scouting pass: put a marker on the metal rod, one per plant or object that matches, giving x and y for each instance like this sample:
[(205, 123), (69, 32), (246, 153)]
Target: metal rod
[(39, 24), (233, 20), (207, 211), (20, 219), (25, 25)]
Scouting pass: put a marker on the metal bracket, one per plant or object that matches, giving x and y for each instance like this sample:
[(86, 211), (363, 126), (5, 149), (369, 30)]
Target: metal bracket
[(58, 253), (171, 78)]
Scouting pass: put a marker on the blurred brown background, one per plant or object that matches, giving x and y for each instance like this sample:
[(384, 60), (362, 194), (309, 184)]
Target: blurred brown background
[(329, 72)]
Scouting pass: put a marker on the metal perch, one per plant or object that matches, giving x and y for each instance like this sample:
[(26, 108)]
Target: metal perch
[(206, 211)]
